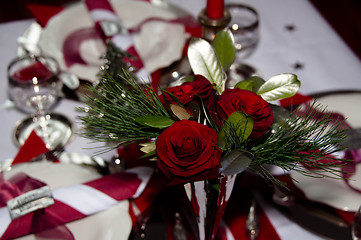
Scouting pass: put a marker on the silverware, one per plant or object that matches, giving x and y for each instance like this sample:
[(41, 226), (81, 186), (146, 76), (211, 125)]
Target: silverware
[(282, 196), (356, 226), (51, 155), (314, 216), (179, 232), (252, 222)]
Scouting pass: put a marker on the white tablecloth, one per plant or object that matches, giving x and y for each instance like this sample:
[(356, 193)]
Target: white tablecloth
[(326, 62)]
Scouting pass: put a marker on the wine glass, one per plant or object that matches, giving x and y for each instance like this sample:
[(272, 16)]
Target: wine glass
[(244, 26), (35, 87)]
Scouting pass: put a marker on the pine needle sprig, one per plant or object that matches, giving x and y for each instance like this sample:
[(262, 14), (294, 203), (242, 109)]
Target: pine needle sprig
[(110, 115), (304, 141), (115, 62)]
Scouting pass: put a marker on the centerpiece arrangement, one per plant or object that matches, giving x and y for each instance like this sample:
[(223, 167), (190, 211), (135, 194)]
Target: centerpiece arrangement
[(201, 135)]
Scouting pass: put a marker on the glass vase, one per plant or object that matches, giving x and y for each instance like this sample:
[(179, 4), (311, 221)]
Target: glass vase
[(208, 199)]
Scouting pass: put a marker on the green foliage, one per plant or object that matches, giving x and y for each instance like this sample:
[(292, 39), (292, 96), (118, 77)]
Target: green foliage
[(223, 44), (279, 86), (251, 84), (122, 111), (115, 64), (204, 61), (155, 121), (235, 130), (300, 141), (235, 162), (111, 115)]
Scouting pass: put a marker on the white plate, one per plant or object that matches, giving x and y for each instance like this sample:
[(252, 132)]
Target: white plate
[(111, 224), (335, 192), (158, 43)]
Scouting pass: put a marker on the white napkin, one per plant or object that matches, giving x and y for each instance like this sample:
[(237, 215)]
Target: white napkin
[(158, 43)]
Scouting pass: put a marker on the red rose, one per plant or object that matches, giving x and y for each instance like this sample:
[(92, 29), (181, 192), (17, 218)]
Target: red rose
[(187, 91), (187, 151), (233, 100)]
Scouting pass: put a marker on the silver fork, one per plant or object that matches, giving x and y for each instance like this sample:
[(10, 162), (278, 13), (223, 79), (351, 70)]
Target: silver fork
[(252, 222)]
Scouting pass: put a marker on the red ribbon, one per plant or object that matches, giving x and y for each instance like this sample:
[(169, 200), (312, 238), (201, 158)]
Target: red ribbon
[(43, 223)]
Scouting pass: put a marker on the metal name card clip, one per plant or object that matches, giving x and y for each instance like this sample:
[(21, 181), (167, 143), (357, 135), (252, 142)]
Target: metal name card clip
[(30, 202), (112, 28)]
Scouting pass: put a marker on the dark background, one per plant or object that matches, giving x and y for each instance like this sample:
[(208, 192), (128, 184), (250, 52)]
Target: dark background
[(343, 15)]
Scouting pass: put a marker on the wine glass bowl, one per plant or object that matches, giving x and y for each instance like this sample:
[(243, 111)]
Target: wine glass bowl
[(35, 87), (34, 83), (244, 26)]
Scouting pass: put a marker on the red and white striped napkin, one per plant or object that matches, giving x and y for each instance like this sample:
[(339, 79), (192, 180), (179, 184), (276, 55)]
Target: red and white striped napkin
[(158, 35)]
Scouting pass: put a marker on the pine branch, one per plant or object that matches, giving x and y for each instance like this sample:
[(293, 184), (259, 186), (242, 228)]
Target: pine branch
[(304, 140), (115, 62), (110, 115)]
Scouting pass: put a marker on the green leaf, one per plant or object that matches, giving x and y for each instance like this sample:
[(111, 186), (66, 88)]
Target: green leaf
[(173, 97), (154, 121), (280, 86), (245, 84), (195, 110), (281, 117), (151, 153), (206, 114), (239, 123), (251, 84), (223, 44), (188, 79), (235, 162), (217, 187), (204, 61)]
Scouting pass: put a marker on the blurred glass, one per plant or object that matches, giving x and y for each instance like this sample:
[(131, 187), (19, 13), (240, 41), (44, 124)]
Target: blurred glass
[(244, 26)]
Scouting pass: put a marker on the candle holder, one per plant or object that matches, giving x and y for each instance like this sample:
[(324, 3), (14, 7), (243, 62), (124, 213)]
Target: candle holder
[(211, 26)]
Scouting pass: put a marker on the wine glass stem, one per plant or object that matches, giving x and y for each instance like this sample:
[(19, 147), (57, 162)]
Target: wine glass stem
[(43, 129)]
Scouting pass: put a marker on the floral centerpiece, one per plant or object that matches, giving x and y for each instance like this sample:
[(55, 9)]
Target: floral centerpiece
[(202, 135)]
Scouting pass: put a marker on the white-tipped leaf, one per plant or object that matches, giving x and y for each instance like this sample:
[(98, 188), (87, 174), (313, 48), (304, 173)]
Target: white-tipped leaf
[(180, 112), (204, 61), (280, 86), (147, 147)]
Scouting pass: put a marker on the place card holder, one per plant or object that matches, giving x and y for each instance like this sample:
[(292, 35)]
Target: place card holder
[(30, 202), (211, 26), (112, 28)]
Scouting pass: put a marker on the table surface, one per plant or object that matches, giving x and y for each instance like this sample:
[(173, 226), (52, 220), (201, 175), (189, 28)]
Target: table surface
[(294, 38)]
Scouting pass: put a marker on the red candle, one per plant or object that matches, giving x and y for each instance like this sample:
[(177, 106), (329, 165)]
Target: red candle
[(215, 9)]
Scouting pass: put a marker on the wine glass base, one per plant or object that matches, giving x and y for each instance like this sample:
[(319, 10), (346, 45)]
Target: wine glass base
[(239, 71), (58, 130)]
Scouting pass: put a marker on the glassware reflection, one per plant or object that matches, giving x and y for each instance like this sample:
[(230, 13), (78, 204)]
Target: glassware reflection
[(244, 26), (35, 87)]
